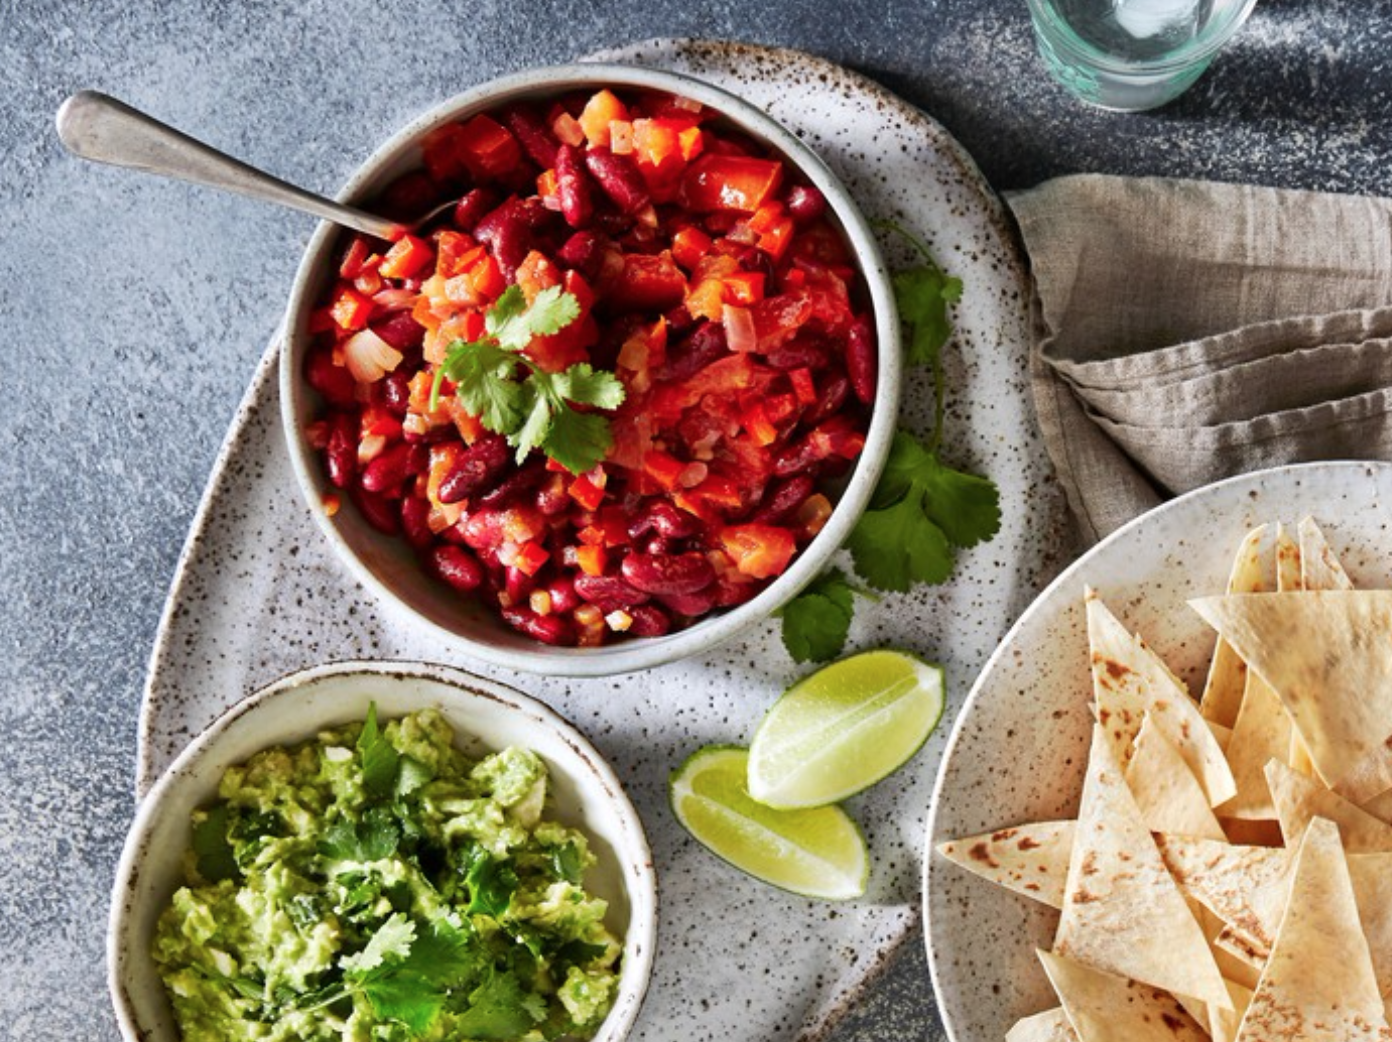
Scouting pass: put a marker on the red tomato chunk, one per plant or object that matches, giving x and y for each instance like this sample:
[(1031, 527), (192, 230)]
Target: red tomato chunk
[(709, 282)]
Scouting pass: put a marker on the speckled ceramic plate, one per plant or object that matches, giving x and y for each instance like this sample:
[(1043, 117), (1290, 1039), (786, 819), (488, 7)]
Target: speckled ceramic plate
[(259, 593), (1019, 748)]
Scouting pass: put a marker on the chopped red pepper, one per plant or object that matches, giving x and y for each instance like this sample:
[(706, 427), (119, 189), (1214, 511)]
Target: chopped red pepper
[(740, 183)]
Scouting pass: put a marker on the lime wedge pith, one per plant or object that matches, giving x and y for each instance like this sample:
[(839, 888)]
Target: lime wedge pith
[(843, 728), (816, 853)]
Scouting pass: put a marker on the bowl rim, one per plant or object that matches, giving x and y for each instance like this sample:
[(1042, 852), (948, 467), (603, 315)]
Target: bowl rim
[(647, 652), (639, 941)]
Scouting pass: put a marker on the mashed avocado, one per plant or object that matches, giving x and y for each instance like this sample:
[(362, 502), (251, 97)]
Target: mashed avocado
[(376, 884)]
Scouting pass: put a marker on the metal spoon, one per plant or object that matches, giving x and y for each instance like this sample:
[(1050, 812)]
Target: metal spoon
[(96, 126)]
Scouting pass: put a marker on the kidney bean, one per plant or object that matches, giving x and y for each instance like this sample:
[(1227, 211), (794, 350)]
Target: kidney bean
[(561, 590), (609, 593), (513, 487), (795, 457), (691, 605), (517, 584), (477, 467), (400, 331), (751, 258), (341, 452), (549, 629), (831, 396), (386, 473), (686, 358), (803, 351), (584, 252), (507, 231), (415, 524), (666, 520), (860, 360), (394, 391), (533, 134), (619, 178), (728, 592), (649, 621), (409, 196), (573, 187), (785, 497), (553, 500), (334, 382), (682, 573), (379, 511), (456, 566), (805, 204), (472, 206)]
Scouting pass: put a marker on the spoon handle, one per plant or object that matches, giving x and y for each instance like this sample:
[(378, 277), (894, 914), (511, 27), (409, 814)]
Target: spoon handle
[(96, 126)]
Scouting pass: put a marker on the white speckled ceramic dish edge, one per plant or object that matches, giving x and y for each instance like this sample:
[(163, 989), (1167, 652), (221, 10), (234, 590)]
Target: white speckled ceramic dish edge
[(1019, 748), (259, 593), (486, 717)]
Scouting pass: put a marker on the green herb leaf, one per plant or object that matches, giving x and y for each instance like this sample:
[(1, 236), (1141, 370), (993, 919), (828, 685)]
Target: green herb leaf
[(500, 1008), (412, 776), (212, 852), (817, 621), (922, 295), (378, 756), (491, 883), (568, 864), (513, 324), (966, 507), (483, 374), (587, 386), (578, 440), (373, 838), (393, 939)]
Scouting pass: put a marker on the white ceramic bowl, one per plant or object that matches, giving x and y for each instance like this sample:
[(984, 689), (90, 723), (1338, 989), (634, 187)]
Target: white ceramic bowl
[(486, 717), (388, 566)]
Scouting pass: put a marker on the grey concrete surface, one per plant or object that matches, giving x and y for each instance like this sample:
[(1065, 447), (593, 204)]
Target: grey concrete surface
[(135, 310)]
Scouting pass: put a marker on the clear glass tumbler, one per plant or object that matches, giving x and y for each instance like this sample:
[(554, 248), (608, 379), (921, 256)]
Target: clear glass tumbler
[(1131, 55)]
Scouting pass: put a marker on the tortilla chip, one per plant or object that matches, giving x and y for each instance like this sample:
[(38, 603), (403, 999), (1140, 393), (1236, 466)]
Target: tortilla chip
[(1227, 673), (1223, 1023), (1103, 1007), (1371, 875), (1236, 971), (1263, 730), (1288, 572), (1319, 568), (1222, 735), (1253, 833), (1050, 1026), (1245, 887), (1298, 799), (1029, 859), (1328, 654), (1170, 797), (1318, 982), (1122, 912), (1380, 806), (1130, 680)]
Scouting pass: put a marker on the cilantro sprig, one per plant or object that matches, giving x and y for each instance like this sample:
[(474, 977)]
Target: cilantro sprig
[(922, 510), (512, 396)]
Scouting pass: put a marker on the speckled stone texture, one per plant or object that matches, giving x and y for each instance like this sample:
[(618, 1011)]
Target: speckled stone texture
[(137, 310)]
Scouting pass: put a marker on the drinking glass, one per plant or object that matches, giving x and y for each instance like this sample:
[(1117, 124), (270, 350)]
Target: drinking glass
[(1131, 55)]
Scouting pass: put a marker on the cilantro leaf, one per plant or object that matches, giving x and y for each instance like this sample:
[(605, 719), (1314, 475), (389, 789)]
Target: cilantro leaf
[(922, 295), (587, 386), (483, 375), (898, 546), (568, 863), (406, 997), (213, 853), (491, 883), (378, 756), (373, 838), (578, 440), (412, 776), (966, 507), (393, 939), (500, 1008), (513, 323), (538, 408), (817, 621)]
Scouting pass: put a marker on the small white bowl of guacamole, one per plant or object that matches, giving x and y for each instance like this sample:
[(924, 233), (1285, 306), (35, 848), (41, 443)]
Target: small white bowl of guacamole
[(384, 850)]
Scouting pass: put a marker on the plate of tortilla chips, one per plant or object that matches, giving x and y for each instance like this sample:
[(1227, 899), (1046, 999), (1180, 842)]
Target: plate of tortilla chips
[(1165, 812)]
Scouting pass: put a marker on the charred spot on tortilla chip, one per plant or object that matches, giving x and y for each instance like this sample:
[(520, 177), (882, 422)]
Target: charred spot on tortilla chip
[(982, 852)]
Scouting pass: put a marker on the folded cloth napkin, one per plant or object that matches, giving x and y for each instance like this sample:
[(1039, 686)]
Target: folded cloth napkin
[(1189, 331)]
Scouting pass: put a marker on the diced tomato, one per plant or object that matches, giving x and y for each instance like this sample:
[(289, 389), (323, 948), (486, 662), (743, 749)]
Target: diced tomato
[(355, 258), (455, 252), (756, 421), (664, 468), (804, 386), (776, 319), (602, 109), (488, 148), (585, 492), (762, 551), (741, 183), (351, 309), (530, 558), (408, 256), (744, 287), (591, 559), (689, 246), (650, 282)]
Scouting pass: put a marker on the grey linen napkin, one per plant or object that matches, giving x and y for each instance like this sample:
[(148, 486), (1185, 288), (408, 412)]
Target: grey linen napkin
[(1189, 331)]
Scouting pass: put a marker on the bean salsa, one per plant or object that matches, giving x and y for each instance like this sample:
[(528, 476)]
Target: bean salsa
[(702, 275)]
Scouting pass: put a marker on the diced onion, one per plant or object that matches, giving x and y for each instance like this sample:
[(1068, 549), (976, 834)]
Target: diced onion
[(568, 130), (739, 329), (369, 357), (689, 104), (620, 136), (395, 298)]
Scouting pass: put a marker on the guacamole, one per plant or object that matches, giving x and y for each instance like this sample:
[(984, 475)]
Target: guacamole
[(377, 884)]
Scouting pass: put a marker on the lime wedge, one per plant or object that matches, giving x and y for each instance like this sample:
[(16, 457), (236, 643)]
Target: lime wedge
[(815, 853), (843, 728)]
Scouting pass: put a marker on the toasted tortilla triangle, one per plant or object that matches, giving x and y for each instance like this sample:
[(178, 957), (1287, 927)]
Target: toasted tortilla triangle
[(1263, 731), (1245, 887), (1288, 570), (1170, 797), (1227, 673), (1129, 681), (1103, 1007), (1122, 912), (1318, 983), (1223, 1024), (1380, 806), (1328, 654), (1050, 1026), (1298, 799), (1319, 567), (1029, 859)]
